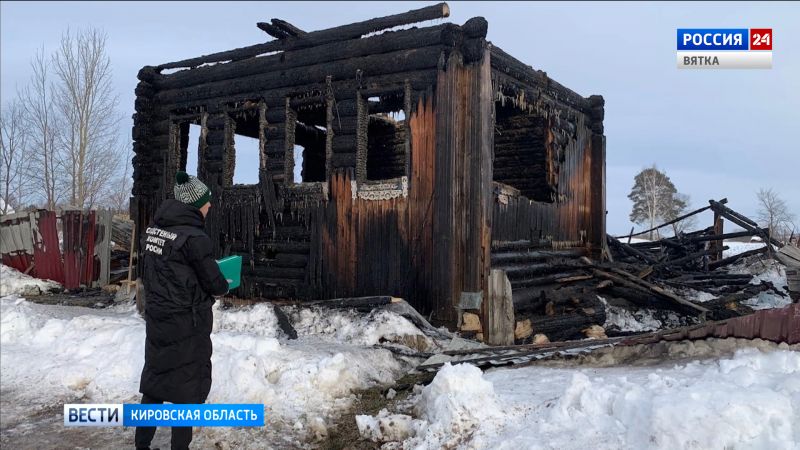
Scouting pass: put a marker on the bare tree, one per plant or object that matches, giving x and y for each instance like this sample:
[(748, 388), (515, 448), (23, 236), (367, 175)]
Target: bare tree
[(774, 214), (679, 208), (119, 197), (41, 120), (87, 104), (14, 181)]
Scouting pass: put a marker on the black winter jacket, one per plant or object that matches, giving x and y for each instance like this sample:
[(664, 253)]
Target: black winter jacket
[(180, 278)]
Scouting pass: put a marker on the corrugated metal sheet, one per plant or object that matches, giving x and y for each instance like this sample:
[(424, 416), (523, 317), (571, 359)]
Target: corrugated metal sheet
[(16, 244), (776, 325), (46, 248), (29, 242)]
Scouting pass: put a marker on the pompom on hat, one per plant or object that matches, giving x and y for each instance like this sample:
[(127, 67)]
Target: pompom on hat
[(188, 189)]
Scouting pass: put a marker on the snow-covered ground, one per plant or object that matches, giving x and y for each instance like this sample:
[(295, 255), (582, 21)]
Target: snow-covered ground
[(13, 281), (748, 401), (50, 355)]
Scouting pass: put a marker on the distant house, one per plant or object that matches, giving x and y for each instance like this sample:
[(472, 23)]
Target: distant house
[(424, 152)]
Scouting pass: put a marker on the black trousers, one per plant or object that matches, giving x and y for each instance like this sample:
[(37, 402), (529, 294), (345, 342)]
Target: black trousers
[(181, 436)]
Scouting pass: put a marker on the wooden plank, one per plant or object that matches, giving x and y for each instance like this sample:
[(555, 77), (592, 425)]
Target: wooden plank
[(500, 324)]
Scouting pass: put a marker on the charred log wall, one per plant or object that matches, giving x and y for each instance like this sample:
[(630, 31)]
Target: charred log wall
[(549, 159), (344, 235)]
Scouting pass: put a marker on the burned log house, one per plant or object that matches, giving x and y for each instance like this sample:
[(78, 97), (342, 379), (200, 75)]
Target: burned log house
[(429, 157)]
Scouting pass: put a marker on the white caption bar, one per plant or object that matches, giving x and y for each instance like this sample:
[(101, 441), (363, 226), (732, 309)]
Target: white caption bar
[(724, 60)]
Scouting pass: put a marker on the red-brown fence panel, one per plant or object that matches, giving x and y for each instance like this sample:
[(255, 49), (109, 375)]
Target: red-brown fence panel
[(46, 248)]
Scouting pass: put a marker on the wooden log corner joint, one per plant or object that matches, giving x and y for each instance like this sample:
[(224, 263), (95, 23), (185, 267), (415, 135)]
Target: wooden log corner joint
[(421, 163)]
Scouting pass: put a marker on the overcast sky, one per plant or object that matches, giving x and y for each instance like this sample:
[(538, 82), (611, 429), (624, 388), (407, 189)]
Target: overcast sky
[(717, 133)]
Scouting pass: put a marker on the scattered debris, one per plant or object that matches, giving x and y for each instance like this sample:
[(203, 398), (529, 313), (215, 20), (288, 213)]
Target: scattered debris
[(682, 280)]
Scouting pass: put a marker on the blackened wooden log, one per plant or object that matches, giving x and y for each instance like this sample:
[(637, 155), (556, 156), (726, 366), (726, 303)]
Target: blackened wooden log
[(343, 160), (499, 258), (272, 30), (730, 305), (724, 236), (637, 253), (722, 276), (675, 220), (287, 27), (264, 271), (502, 61), (370, 65), (520, 245), (275, 96), (638, 297), (716, 283), (567, 326), (689, 257), (743, 221), (352, 302), (315, 38), (732, 259), (276, 247), (718, 206), (523, 271), (622, 278), (542, 280)]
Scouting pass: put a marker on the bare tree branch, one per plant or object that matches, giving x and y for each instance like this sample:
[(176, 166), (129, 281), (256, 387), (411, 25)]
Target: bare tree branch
[(42, 123), (86, 101), (15, 185), (774, 214)]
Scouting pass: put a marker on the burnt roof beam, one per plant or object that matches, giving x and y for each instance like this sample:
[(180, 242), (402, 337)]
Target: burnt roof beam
[(314, 38)]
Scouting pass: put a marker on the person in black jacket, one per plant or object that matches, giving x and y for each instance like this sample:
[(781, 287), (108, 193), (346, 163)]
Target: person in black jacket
[(180, 278)]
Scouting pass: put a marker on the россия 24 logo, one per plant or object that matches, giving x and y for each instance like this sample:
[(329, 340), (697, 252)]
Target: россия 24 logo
[(724, 48)]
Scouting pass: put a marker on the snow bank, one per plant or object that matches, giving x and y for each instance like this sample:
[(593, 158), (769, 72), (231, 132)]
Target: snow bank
[(751, 400), (13, 282), (57, 353)]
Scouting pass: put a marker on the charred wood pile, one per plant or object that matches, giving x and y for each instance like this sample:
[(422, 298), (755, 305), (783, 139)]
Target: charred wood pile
[(562, 294)]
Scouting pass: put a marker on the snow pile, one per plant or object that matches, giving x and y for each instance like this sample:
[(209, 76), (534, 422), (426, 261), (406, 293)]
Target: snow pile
[(751, 400), (348, 326), (458, 398), (97, 356), (457, 403), (773, 272), (13, 282), (258, 320), (736, 247)]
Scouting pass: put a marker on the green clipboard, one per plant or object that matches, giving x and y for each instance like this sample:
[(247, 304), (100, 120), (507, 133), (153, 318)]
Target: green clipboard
[(231, 268)]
